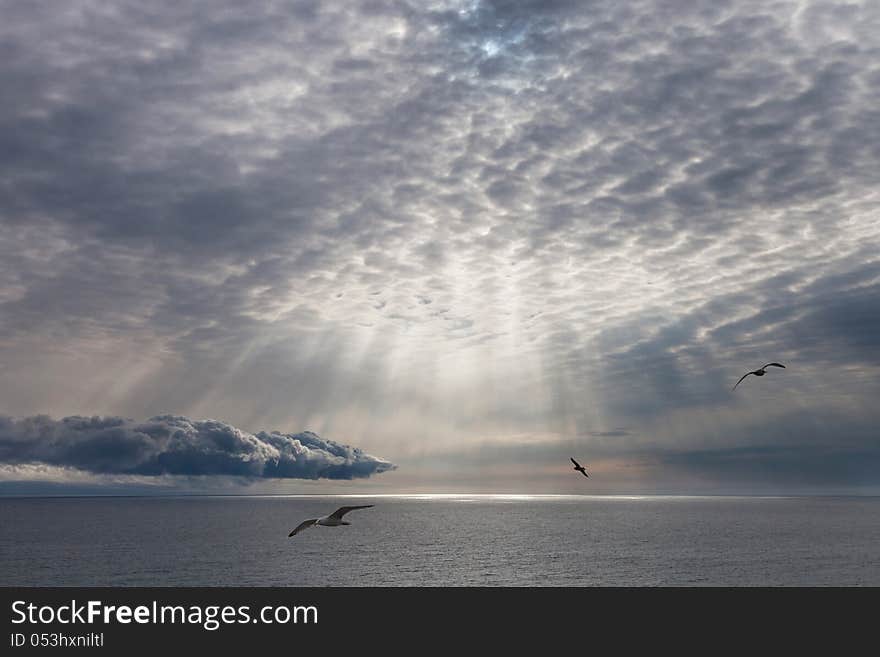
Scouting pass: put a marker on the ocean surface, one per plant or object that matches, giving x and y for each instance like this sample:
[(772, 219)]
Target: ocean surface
[(441, 541)]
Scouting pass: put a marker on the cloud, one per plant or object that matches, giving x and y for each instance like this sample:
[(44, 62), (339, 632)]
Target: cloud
[(779, 465), (442, 223), (176, 445), (618, 432)]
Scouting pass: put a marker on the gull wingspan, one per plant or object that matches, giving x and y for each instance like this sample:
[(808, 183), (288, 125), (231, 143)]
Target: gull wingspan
[(305, 524), (341, 511)]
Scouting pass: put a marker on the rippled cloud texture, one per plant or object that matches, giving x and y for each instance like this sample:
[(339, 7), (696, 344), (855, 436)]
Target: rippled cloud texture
[(475, 237)]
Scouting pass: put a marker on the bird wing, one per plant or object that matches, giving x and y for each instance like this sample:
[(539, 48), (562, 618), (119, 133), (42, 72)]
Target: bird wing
[(305, 524), (741, 380), (341, 511), (576, 464), (584, 472), (774, 365)]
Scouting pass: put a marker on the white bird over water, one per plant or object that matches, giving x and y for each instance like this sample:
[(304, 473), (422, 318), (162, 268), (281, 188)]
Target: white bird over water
[(760, 372), (333, 520)]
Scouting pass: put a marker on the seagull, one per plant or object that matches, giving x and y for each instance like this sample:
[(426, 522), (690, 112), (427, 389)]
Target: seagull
[(759, 372), (579, 468), (333, 520)]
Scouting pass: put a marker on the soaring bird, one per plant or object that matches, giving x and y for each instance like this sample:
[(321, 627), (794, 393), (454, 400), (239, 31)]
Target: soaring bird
[(579, 468), (333, 520), (760, 372)]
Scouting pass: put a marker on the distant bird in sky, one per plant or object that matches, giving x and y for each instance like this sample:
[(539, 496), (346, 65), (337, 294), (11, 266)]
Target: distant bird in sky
[(579, 468), (760, 372), (333, 520)]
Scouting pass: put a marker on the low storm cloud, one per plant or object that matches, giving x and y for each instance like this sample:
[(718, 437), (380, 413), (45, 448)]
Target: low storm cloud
[(175, 445)]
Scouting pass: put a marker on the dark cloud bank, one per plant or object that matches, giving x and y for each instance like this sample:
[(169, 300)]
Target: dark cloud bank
[(177, 445)]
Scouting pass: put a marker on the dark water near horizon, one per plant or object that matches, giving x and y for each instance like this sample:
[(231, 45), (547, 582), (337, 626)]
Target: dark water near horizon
[(421, 541)]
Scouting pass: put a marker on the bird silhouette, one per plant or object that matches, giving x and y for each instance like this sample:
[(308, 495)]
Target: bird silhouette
[(580, 468), (333, 520), (760, 372)]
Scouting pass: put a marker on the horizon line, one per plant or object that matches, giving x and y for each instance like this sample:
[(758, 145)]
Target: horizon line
[(442, 496)]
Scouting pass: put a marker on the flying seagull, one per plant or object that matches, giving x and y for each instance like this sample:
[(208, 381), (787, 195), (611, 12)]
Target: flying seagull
[(579, 468), (333, 520), (760, 372)]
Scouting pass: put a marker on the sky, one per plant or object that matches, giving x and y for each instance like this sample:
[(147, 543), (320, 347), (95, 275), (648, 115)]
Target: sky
[(377, 247)]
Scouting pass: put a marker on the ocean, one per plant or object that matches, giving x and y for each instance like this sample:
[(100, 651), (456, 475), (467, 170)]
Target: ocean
[(467, 540)]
